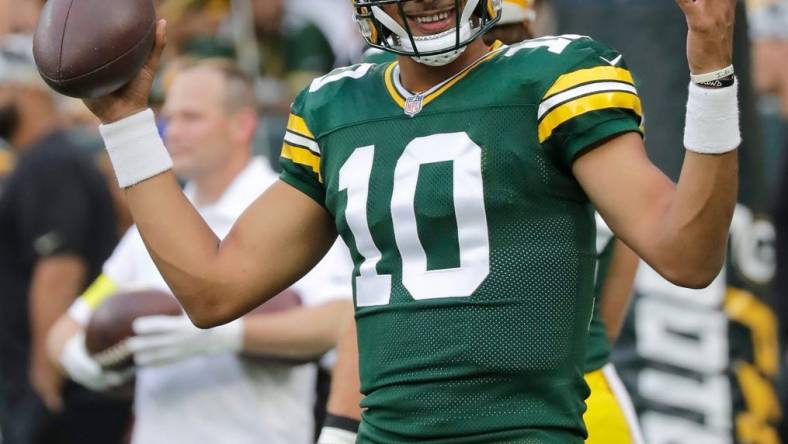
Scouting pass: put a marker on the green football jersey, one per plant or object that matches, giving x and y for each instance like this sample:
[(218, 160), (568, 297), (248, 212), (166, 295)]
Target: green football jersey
[(598, 348), (473, 243)]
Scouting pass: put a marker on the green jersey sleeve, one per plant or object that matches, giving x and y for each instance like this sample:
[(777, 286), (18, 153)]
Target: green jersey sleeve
[(300, 158), (594, 99)]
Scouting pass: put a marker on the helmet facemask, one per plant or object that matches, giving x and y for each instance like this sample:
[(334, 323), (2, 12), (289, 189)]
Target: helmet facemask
[(382, 31)]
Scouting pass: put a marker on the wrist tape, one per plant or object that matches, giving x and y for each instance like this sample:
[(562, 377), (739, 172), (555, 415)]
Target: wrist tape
[(135, 148), (712, 124), (712, 76), (338, 430)]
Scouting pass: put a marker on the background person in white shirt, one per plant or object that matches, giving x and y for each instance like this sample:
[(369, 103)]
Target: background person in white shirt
[(192, 385)]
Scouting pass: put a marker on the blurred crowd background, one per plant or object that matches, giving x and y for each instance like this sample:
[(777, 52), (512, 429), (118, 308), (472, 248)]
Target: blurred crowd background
[(284, 44)]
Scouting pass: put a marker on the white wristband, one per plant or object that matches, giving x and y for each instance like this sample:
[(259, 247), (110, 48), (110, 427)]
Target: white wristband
[(135, 148), (712, 76), (712, 125), (334, 435)]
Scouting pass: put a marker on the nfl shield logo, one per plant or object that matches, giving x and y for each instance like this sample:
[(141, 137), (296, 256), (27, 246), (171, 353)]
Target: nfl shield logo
[(413, 105)]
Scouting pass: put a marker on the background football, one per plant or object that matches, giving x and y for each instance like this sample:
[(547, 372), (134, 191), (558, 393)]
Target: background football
[(90, 48), (111, 322)]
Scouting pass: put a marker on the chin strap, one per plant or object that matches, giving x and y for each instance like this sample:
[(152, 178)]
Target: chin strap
[(445, 41)]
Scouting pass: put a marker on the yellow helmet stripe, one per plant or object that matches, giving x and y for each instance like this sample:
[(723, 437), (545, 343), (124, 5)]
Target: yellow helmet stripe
[(579, 77), (595, 102)]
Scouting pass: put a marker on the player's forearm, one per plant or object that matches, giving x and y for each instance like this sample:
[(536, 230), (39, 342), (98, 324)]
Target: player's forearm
[(181, 244), (299, 333), (617, 288), (694, 231), (278, 239), (54, 285), (63, 330), (345, 396), (701, 210)]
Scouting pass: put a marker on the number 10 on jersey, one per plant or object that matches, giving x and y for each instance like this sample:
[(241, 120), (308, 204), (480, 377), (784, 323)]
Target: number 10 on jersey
[(468, 196)]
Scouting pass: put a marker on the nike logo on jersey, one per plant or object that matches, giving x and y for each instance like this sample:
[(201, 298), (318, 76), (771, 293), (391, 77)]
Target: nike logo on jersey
[(613, 62)]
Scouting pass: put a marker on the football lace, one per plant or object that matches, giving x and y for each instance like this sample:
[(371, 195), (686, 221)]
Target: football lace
[(113, 355)]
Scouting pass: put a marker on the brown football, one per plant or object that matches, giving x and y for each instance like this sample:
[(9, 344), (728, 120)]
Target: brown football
[(90, 48), (111, 324)]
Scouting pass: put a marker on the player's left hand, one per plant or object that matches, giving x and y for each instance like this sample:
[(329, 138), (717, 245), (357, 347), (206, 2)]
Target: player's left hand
[(162, 340), (710, 34)]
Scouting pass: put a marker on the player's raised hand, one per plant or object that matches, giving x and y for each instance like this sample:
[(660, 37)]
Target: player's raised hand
[(133, 97), (710, 36)]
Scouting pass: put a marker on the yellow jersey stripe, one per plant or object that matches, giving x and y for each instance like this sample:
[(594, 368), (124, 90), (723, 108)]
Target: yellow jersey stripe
[(493, 52), (595, 102), (99, 291), (297, 125), (302, 156), (582, 76), (547, 105), (397, 97), (388, 76)]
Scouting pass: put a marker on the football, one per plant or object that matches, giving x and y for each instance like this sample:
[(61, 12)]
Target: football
[(90, 48), (111, 324)]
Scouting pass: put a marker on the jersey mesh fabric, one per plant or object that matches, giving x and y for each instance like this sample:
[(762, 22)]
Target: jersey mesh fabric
[(505, 363), (473, 358), (598, 349), (598, 353)]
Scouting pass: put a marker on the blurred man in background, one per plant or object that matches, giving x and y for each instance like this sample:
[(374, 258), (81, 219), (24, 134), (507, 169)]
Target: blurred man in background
[(19, 16), (56, 229), (195, 385)]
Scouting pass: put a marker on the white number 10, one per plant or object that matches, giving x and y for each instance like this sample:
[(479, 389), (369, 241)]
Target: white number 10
[(468, 192)]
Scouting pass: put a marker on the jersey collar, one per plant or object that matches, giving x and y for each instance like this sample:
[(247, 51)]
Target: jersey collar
[(401, 95)]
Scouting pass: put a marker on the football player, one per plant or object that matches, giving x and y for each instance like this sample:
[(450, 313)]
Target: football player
[(610, 415), (462, 178)]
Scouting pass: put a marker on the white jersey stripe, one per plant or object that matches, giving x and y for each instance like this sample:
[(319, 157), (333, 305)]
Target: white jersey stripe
[(299, 140), (582, 90)]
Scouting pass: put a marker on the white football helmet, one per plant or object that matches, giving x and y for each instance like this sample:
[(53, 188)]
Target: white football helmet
[(382, 31)]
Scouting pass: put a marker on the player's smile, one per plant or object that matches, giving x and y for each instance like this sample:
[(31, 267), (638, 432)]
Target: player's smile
[(432, 22), (427, 17)]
